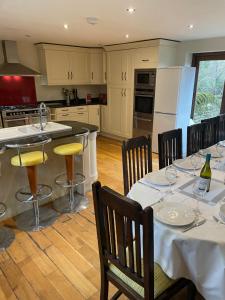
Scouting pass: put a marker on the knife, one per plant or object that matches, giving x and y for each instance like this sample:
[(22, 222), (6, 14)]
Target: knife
[(195, 224)]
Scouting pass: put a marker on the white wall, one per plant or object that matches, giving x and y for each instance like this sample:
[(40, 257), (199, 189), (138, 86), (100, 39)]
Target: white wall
[(28, 56), (185, 49)]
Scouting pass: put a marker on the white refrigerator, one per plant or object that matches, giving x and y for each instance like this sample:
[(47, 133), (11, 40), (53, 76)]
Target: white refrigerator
[(173, 101)]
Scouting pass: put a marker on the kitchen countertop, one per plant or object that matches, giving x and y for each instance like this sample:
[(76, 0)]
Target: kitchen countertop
[(81, 102), (77, 128)]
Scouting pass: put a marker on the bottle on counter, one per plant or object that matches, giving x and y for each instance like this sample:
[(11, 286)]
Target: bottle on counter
[(205, 175)]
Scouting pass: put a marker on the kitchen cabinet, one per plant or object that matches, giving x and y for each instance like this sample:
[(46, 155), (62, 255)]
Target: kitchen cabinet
[(119, 68), (146, 57), (65, 65), (117, 117), (94, 115), (89, 114), (96, 68), (57, 73), (79, 68)]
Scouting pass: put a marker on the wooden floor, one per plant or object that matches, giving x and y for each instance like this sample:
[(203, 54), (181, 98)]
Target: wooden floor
[(61, 262)]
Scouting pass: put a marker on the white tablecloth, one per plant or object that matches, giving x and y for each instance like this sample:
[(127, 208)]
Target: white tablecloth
[(198, 254)]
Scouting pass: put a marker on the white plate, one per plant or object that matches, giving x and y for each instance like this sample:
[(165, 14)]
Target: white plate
[(185, 163), (174, 214), (212, 151), (158, 178)]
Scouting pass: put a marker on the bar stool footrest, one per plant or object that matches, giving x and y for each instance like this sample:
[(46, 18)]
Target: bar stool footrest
[(7, 236), (3, 209), (62, 180), (43, 192), (26, 220), (63, 204)]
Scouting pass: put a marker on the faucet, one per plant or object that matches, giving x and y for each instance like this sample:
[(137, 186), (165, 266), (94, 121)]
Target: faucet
[(42, 112)]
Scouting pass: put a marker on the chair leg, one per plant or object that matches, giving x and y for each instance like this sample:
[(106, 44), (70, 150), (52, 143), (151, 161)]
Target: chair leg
[(191, 293), (116, 295), (104, 287)]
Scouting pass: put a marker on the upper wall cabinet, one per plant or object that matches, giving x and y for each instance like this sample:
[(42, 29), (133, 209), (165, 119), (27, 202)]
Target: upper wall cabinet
[(96, 68), (119, 68), (70, 65)]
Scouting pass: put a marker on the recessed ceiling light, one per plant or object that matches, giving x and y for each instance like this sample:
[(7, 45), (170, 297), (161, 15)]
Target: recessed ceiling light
[(92, 20), (191, 26), (127, 36), (131, 10), (65, 26)]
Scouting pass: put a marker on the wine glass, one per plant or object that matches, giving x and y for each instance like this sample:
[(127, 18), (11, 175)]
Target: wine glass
[(171, 175), (199, 190), (195, 161), (219, 151)]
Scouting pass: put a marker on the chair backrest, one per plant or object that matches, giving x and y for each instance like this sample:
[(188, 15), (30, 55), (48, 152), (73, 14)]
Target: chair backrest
[(211, 128), (119, 221), (136, 159), (222, 128), (169, 147), (195, 138)]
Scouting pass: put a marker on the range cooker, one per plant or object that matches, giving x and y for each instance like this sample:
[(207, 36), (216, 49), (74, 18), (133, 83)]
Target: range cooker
[(18, 115)]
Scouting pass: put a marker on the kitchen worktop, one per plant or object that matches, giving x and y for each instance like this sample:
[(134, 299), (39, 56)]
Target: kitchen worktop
[(68, 129), (80, 102)]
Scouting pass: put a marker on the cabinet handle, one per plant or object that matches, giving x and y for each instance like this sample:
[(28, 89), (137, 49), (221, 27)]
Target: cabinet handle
[(125, 92), (122, 76), (65, 115), (105, 76), (125, 75), (64, 110), (71, 75), (92, 76), (145, 59), (80, 113), (122, 92), (68, 75)]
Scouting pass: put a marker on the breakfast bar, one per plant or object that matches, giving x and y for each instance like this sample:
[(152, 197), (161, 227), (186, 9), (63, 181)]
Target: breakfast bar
[(12, 179)]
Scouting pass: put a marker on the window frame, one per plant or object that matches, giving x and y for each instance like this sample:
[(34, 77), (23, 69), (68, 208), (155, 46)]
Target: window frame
[(196, 58)]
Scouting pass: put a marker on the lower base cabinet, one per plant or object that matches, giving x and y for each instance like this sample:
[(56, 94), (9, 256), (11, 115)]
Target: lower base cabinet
[(89, 114)]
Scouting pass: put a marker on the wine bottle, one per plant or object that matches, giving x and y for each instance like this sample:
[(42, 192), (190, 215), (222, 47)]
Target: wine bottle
[(205, 175)]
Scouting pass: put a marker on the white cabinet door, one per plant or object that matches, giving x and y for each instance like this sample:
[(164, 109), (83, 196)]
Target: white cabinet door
[(94, 115), (96, 68), (127, 68), (146, 57), (115, 102), (114, 68), (104, 67), (127, 113), (57, 65), (79, 68), (105, 113)]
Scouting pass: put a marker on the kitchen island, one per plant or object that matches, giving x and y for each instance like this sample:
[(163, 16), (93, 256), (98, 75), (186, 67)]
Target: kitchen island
[(12, 178)]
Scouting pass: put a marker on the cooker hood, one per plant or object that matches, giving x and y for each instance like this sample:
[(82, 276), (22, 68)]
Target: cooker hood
[(11, 64)]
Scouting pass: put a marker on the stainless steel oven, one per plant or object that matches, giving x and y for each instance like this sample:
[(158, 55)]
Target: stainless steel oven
[(15, 116), (144, 97)]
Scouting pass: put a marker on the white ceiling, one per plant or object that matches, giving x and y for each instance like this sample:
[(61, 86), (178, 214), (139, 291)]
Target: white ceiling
[(43, 20)]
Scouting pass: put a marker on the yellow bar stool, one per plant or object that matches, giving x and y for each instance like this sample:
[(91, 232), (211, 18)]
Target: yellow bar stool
[(7, 236), (73, 201), (39, 217)]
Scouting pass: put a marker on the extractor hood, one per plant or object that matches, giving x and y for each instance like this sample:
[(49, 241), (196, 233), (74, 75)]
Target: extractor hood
[(11, 64)]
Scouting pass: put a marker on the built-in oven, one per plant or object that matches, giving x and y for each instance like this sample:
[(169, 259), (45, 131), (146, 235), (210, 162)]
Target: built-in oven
[(145, 78), (14, 116)]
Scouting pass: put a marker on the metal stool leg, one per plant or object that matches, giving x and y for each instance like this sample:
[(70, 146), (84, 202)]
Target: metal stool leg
[(39, 217)]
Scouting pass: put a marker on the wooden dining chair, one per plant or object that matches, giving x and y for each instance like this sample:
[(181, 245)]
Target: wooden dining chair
[(222, 127), (195, 138), (121, 263), (136, 160), (169, 147), (211, 129)]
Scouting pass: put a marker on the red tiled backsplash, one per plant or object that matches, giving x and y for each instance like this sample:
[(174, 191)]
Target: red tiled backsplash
[(17, 90)]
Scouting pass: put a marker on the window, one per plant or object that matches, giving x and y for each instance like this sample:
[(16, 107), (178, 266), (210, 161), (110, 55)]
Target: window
[(208, 99)]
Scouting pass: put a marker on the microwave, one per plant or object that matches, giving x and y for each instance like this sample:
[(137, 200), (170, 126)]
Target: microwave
[(145, 78)]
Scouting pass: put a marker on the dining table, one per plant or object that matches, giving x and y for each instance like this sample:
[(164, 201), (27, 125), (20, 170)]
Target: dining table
[(191, 251)]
